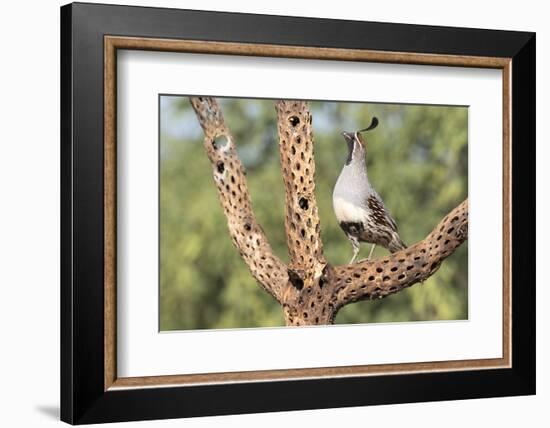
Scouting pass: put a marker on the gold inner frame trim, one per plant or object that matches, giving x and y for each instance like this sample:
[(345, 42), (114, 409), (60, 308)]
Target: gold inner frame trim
[(113, 43)]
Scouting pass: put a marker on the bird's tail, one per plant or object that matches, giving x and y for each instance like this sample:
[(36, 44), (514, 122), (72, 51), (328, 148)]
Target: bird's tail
[(396, 244)]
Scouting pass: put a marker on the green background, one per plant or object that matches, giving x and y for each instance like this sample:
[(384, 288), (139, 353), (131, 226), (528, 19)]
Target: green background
[(417, 160)]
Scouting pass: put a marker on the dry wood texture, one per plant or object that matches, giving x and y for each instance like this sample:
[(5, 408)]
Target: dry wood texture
[(310, 290), (229, 175)]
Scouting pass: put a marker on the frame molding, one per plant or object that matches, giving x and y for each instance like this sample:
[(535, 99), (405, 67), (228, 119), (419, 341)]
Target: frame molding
[(114, 43), (90, 390)]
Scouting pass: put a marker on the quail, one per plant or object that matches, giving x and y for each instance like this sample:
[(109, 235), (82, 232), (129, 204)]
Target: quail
[(359, 209)]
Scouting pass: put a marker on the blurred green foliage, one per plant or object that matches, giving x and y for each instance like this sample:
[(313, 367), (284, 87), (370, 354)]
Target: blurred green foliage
[(417, 160)]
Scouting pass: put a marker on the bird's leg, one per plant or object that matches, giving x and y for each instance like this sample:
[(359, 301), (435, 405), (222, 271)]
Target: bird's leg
[(371, 251), (370, 254), (356, 247)]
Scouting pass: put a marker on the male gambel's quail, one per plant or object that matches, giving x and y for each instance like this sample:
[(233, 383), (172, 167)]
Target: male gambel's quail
[(359, 210)]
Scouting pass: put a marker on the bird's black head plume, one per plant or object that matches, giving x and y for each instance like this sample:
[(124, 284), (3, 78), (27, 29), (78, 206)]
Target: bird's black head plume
[(373, 124), (355, 137)]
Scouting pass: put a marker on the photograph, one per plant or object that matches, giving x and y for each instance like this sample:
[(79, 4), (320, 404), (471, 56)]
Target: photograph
[(265, 211), (266, 204)]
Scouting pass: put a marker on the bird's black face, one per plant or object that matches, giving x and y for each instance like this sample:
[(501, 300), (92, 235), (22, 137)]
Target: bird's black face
[(350, 139), (354, 144), (355, 140)]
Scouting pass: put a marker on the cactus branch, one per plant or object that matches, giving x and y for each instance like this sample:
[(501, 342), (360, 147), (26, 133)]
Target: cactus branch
[(309, 289), (388, 275), (229, 176), (302, 225)]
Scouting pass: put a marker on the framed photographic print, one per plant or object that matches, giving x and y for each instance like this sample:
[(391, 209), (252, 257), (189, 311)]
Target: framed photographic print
[(265, 213)]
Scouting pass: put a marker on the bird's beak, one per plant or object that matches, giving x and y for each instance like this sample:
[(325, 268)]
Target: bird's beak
[(348, 135), (350, 139)]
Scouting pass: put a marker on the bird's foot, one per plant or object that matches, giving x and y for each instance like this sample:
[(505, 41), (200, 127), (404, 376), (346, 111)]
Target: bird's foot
[(367, 259)]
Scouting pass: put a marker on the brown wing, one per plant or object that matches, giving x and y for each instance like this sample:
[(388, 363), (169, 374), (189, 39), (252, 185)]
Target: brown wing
[(379, 213)]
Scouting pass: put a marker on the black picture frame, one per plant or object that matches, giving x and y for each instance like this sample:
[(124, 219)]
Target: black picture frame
[(83, 398)]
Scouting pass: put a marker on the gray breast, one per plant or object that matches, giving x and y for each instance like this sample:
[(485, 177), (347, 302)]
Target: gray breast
[(352, 186)]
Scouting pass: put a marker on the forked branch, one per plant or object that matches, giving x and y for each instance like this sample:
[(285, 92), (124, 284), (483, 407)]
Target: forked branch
[(309, 289)]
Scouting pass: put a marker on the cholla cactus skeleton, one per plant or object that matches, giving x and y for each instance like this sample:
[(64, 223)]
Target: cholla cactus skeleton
[(309, 289)]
